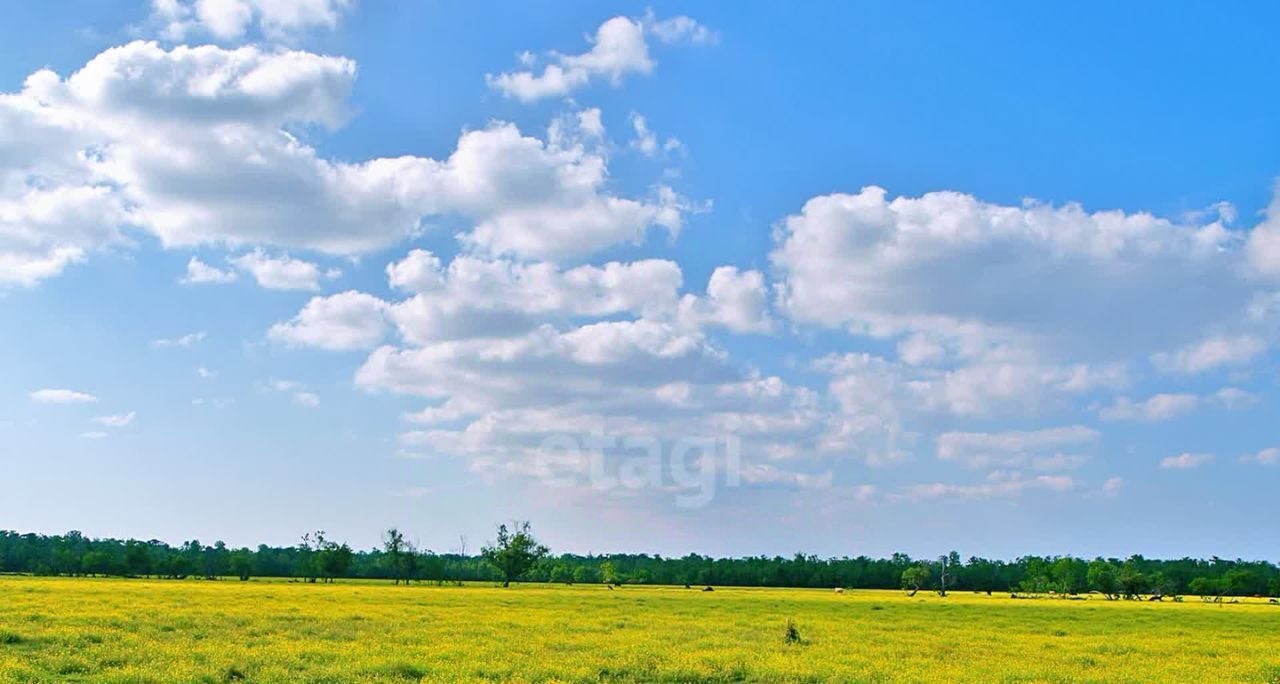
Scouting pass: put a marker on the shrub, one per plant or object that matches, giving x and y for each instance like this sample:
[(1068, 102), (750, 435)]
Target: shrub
[(793, 632)]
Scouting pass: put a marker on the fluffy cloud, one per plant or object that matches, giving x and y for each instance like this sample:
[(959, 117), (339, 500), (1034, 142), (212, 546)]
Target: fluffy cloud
[(591, 362), (510, 354), (1264, 241), (62, 396), (481, 298), (1016, 448), (231, 19), (532, 200), (349, 320), (501, 398), (419, 271), (968, 274), (999, 385), (204, 145), (199, 272), (477, 297), (42, 231), (283, 272), (998, 311), (54, 208), (736, 300), (619, 48), (1186, 461)]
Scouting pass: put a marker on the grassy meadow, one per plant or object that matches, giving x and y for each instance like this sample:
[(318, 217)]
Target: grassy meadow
[(112, 630)]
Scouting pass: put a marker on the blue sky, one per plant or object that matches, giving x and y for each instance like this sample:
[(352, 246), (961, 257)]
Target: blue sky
[(999, 279)]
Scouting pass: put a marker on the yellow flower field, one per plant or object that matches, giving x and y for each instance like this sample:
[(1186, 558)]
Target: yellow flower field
[(111, 630)]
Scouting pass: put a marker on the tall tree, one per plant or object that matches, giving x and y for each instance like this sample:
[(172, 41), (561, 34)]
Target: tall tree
[(137, 560), (515, 552), (396, 551), (241, 564)]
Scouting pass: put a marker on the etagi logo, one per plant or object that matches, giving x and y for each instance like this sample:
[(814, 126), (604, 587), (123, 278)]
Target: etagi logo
[(692, 468)]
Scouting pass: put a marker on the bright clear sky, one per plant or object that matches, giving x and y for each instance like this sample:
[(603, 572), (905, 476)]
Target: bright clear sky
[(987, 277)]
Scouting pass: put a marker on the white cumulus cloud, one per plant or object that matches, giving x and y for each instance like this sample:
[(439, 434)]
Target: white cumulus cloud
[(194, 145), (348, 320), (281, 272), (199, 272), (619, 48)]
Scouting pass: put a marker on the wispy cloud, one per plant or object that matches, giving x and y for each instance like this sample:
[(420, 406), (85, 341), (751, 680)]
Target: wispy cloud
[(1186, 461), (62, 396), (118, 420), (188, 340)]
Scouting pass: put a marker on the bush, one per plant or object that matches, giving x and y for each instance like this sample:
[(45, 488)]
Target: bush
[(793, 632)]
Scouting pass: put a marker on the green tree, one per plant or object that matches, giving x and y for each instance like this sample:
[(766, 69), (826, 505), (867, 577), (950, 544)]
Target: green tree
[(309, 549), (242, 564), (1243, 582), (398, 555), (609, 573), (914, 579), (95, 563), (1209, 590), (515, 552), (335, 560), (561, 574), (585, 574), (1101, 577), (137, 558), (1070, 575), (1131, 581), (216, 561)]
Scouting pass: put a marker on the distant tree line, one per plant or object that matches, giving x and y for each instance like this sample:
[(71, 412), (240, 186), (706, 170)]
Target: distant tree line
[(516, 555)]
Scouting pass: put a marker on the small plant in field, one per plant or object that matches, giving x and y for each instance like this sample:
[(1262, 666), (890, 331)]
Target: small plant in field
[(406, 671), (793, 633), (10, 638)]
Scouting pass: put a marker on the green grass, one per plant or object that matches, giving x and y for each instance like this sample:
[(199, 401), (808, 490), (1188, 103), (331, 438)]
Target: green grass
[(94, 630)]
